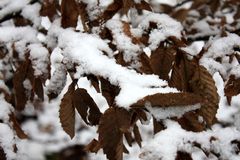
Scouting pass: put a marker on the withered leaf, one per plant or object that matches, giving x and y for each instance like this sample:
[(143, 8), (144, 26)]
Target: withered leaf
[(129, 138), (49, 8), (94, 82), (93, 146), (169, 99), (145, 64), (2, 154), (18, 79), (161, 61), (190, 122), (157, 126), (69, 10), (127, 4), (137, 135), (15, 125), (232, 88), (113, 123), (180, 14), (67, 111), (183, 156), (86, 106), (182, 72), (203, 84), (143, 5), (109, 91), (38, 88)]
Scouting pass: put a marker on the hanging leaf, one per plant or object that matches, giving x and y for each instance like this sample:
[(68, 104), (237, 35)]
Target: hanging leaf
[(69, 10), (18, 79), (191, 121), (157, 126), (67, 111), (38, 88), (183, 156), (113, 123), (182, 72), (109, 91), (161, 61), (169, 99), (93, 146), (129, 138), (2, 154), (137, 135), (203, 84), (94, 82), (145, 64), (86, 106), (232, 88), (180, 14), (49, 8), (143, 5), (15, 125)]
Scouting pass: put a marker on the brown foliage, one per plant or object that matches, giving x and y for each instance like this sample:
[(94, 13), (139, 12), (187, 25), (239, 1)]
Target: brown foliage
[(85, 105), (67, 112), (114, 122)]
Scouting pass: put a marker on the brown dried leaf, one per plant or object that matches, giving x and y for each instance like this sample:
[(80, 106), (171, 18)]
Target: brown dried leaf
[(86, 106), (180, 14), (169, 99), (157, 126), (143, 5), (83, 14), (113, 123), (182, 72), (232, 88), (15, 125), (127, 4), (161, 61), (69, 10), (190, 122), (38, 88), (129, 138), (109, 91), (203, 84), (67, 111), (2, 154), (49, 8), (94, 82), (93, 146), (137, 135), (18, 79), (145, 64), (111, 10), (183, 156)]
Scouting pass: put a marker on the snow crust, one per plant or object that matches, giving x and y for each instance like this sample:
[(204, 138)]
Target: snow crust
[(175, 138), (87, 51), (166, 27)]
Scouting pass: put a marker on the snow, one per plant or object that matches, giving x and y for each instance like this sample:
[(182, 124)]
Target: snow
[(6, 109), (40, 59), (58, 80), (46, 23), (194, 48), (174, 139), (133, 85), (166, 27), (161, 113), (221, 48), (31, 12), (123, 42), (6, 140), (7, 7), (9, 34)]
